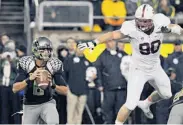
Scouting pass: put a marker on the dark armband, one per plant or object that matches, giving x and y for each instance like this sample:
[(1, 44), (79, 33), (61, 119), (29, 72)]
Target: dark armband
[(53, 86), (27, 80)]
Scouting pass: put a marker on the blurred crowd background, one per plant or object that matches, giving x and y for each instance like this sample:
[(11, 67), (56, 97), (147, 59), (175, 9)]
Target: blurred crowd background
[(98, 89)]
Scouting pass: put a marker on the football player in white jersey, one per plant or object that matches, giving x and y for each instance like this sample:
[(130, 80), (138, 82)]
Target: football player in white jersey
[(146, 35)]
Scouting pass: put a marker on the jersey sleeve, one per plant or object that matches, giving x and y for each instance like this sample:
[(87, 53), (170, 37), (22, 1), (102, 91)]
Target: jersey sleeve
[(55, 66), (161, 20), (22, 74), (127, 28), (58, 78), (92, 55)]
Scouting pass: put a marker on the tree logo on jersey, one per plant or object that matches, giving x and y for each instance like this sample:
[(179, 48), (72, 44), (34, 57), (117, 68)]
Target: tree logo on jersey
[(149, 48)]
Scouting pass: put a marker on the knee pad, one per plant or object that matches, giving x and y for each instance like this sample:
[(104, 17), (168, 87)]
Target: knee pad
[(130, 105)]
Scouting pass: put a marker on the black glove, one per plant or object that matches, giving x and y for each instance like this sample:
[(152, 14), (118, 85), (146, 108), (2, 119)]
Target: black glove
[(165, 29)]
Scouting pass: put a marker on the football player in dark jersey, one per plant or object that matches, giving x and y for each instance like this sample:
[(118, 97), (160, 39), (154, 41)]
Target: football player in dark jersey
[(176, 113), (39, 104)]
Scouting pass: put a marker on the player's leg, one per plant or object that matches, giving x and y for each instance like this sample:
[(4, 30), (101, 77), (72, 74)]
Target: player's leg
[(49, 113), (31, 114), (135, 86), (80, 108), (176, 115), (162, 85), (145, 105)]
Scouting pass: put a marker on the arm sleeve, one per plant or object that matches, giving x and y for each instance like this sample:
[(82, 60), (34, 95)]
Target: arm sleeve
[(21, 74), (58, 77), (92, 55)]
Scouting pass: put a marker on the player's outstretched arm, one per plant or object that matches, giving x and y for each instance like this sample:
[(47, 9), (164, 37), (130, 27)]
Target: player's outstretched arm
[(175, 28), (114, 35), (18, 86), (60, 84)]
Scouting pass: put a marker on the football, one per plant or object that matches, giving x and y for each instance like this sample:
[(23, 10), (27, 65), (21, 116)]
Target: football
[(43, 81)]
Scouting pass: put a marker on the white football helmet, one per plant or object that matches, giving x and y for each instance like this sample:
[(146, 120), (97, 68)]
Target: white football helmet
[(144, 17)]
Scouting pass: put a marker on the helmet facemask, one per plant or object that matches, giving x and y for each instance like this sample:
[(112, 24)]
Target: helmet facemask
[(144, 24), (42, 49), (45, 53)]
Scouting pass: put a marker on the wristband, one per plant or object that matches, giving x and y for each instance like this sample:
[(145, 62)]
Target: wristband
[(27, 80), (53, 86)]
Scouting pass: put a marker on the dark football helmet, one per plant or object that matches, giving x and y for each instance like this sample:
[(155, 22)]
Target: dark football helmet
[(42, 48)]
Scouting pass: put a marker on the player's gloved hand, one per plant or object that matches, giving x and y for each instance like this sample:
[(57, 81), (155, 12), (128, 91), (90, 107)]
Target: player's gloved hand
[(172, 28), (35, 74), (89, 45), (165, 29)]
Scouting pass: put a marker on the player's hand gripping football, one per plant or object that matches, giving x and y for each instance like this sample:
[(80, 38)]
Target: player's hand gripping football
[(35, 74), (46, 75), (85, 45)]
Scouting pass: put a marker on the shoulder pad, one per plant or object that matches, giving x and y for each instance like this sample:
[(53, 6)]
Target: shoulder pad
[(27, 63), (54, 65), (128, 27), (161, 20)]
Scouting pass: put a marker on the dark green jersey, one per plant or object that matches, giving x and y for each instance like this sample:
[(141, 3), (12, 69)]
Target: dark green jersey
[(178, 98)]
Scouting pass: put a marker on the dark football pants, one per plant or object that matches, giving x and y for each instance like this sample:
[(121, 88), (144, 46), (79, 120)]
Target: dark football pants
[(176, 115), (113, 100), (47, 112)]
